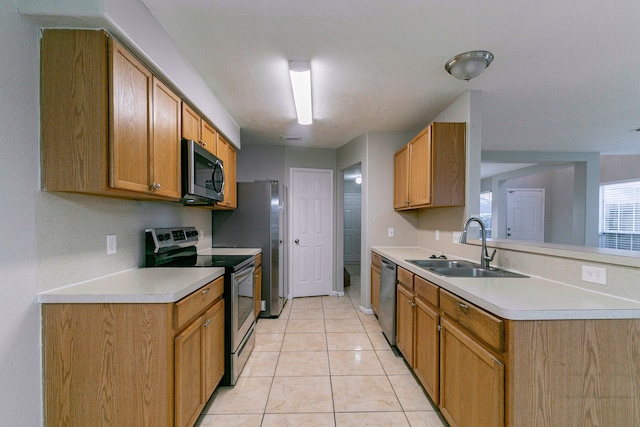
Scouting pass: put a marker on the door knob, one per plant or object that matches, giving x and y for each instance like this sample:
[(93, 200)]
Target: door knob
[(297, 241)]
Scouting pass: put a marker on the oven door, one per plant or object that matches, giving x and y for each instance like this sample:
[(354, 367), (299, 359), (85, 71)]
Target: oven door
[(242, 315)]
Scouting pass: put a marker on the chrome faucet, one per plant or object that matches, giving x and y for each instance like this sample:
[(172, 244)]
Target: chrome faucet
[(485, 259)]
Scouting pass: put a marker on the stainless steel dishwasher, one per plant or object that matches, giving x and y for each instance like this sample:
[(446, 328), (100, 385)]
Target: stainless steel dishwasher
[(387, 315)]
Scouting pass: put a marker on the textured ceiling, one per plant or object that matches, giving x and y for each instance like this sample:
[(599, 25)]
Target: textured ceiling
[(566, 75)]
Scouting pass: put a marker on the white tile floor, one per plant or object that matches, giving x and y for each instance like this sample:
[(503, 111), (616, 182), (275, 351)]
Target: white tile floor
[(322, 363)]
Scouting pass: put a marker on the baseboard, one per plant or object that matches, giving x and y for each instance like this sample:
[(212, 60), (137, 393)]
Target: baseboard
[(366, 310)]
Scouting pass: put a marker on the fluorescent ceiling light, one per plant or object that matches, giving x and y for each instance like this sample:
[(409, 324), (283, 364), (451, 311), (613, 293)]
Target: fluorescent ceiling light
[(300, 73)]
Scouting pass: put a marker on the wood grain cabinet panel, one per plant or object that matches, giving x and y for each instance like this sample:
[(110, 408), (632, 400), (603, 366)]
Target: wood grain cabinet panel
[(198, 129), (375, 289), (257, 291), (401, 178), (227, 154), (98, 119), (471, 381), (405, 323), (429, 171), (128, 364), (426, 363)]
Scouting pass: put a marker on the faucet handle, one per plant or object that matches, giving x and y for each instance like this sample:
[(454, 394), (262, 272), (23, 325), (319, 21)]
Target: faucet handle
[(490, 258)]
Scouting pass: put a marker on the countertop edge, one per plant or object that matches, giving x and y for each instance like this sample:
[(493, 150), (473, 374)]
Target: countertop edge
[(506, 313), (54, 297)]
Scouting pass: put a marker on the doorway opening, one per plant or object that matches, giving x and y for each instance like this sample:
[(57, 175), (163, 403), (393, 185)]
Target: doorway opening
[(352, 232)]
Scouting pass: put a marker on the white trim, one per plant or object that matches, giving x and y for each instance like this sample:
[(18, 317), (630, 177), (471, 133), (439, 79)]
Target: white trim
[(366, 310)]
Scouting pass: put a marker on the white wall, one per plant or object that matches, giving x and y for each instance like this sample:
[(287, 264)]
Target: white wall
[(374, 151), (20, 384)]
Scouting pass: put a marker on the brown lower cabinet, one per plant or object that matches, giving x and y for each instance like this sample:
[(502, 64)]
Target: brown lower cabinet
[(376, 261), (472, 380), (133, 364), (482, 370)]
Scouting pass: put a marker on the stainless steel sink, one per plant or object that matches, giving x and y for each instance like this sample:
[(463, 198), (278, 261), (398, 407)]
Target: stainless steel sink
[(441, 263), (474, 272)]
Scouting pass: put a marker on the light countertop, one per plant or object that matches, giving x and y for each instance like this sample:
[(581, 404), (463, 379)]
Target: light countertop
[(141, 285), (530, 298)]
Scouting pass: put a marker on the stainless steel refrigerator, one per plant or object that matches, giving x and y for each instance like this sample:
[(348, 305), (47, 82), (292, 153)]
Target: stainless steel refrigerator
[(260, 221)]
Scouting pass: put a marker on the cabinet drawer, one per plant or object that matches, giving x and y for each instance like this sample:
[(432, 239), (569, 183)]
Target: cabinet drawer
[(405, 278), (258, 260), (426, 290), (376, 260), (193, 304), (483, 325)]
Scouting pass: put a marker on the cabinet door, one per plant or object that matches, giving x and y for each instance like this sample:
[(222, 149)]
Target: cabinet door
[(190, 123), (213, 348), (130, 140), (375, 290), (401, 178), (189, 365), (209, 137), (427, 349), (420, 169), (227, 154), (166, 142), (257, 291), (404, 323), (472, 381)]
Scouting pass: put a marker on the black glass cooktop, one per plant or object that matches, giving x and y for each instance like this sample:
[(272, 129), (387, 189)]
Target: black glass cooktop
[(232, 262)]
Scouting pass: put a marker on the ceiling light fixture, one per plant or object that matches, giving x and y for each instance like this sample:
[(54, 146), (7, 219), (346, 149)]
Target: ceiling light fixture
[(300, 73), (469, 64)]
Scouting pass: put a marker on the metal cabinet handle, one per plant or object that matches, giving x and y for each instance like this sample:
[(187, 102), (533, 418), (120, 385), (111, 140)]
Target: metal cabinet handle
[(297, 241), (204, 291), (463, 307), (207, 323), (155, 186)]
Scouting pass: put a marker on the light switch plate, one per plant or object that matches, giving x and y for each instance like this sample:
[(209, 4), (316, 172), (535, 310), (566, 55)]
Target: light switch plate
[(390, 232), (456, 236), (112, 245)]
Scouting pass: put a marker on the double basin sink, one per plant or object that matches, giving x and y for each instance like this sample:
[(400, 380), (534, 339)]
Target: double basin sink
[(455, 268)]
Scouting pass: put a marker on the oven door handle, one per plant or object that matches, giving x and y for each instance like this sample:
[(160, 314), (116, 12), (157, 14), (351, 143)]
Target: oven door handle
[(247, 270)]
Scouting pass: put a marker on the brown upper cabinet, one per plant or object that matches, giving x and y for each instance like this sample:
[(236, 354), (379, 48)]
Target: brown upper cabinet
[(429, 171), (227, 154), (198, 129), (109, 127)]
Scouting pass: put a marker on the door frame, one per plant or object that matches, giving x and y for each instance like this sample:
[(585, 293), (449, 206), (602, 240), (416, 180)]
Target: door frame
[(332, 247)]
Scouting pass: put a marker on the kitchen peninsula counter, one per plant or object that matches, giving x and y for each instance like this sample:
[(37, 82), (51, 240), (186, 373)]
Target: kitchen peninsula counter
[(530, 298), (140, 285)]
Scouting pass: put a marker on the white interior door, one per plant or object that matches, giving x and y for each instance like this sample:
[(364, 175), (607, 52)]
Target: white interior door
[(312, 234), (352, 227), (525, 214)]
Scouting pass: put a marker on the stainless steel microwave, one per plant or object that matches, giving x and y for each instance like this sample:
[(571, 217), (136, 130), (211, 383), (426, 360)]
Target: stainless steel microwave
[(202, 175)]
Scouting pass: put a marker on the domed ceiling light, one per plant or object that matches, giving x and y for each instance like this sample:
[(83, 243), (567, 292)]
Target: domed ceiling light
[(469, 64)]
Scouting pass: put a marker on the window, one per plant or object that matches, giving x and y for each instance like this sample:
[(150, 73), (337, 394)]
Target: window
[(620, 216), (485, 211)]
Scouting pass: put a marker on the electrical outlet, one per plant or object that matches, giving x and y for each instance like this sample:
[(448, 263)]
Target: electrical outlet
[(594, 274), (390, 232), (456, 236), (112, 245), (201, 234), (437, 234)]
